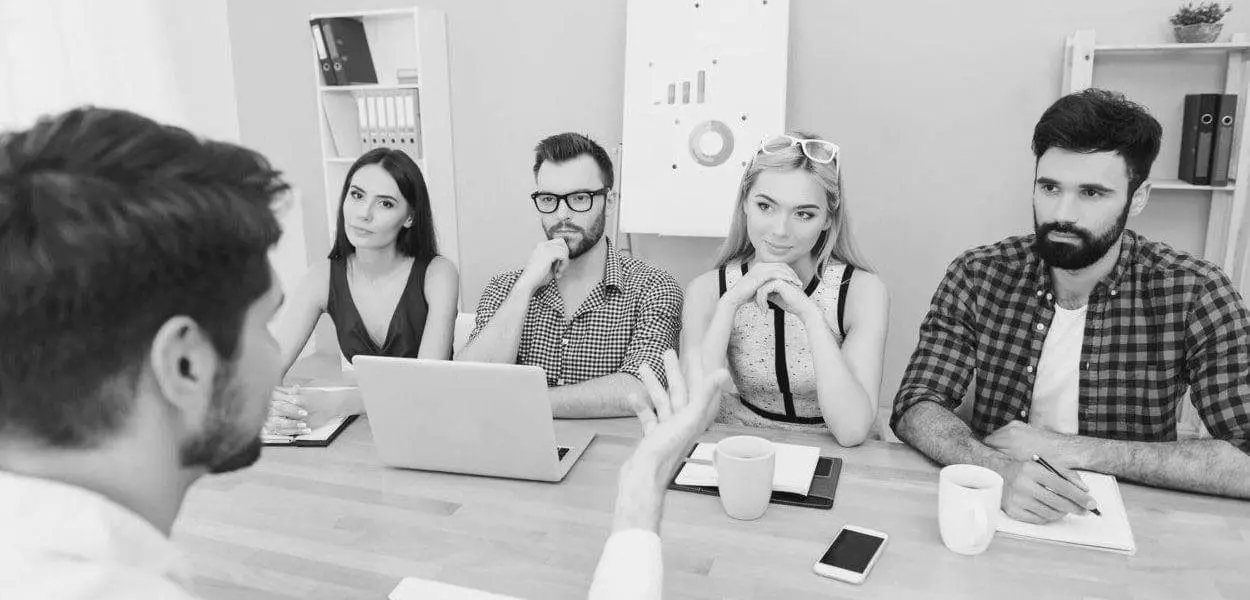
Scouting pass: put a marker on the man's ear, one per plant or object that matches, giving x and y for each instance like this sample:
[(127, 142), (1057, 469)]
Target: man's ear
[(184, 365), (1139, 200)]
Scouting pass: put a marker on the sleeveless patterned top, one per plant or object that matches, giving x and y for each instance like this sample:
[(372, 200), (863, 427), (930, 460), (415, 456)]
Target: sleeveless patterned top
[(769, 357)]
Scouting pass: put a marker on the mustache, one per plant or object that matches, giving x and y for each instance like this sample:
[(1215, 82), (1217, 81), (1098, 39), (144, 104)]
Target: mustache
[(1068, 228)]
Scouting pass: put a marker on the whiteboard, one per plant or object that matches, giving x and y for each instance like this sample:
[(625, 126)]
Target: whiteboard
[(705, 81)]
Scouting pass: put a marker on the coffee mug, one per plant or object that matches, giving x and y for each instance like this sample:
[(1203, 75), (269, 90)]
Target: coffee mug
[(744, 473), (968, 500)]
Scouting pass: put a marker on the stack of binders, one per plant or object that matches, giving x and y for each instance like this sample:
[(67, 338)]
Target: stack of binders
[(390, 119), (343, 51), (1207, 138)]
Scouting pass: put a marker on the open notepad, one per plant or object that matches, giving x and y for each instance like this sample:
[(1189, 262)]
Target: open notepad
[(1110, 532), (792, 472), (321, 436)]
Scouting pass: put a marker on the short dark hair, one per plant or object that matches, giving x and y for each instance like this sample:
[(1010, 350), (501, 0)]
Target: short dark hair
[(418, 241), (1096, 120), (110, 225), (563, 147)]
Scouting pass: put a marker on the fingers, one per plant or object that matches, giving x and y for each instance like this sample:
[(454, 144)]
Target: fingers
[(1055, 502), (677, 392), (1069, 497), (659, 397), (287, 409), (642, 408), (285, 426)]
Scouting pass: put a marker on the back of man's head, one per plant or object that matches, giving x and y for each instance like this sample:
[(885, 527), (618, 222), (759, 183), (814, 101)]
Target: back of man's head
[(1096, 120), (111, 224)]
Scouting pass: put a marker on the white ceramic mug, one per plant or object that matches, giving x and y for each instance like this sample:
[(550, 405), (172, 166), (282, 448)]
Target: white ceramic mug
[(744, 473), (968, 501)]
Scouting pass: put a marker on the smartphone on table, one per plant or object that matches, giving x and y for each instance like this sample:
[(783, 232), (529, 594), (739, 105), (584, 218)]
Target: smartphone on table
[(852, 554)]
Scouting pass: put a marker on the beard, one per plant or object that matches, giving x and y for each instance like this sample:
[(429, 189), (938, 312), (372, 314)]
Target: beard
[(223, 446), (1078, 254), (586, 238)]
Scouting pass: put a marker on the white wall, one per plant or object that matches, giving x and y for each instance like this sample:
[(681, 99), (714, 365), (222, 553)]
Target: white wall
[(167, 60), (933, 104)]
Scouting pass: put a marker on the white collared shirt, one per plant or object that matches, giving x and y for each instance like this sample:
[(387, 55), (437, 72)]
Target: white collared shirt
[(61, 542), (630, 568)]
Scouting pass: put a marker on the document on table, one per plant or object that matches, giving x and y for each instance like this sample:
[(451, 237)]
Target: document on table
[(793, 472), (411, 588), (1110, 532)]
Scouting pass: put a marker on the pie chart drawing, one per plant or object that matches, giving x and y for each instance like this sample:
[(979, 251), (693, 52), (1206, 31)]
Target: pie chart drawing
[(711, 143)]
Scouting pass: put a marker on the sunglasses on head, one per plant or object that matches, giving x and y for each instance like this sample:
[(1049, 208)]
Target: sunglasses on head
[(821, 151)]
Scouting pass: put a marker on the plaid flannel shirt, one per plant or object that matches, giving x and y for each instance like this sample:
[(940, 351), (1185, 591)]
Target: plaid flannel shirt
[(631, 317), (1160, 323)]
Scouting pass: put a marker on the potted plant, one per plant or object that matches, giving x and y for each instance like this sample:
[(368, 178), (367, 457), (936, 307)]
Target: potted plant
[(1198, 24)]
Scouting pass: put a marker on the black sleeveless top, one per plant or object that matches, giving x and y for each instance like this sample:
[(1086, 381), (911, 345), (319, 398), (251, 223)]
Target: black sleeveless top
[(403, 336)]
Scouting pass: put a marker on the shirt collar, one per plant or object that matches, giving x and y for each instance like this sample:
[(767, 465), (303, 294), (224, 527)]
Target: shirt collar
[(612, 268), (45, 517), (1129, 243)]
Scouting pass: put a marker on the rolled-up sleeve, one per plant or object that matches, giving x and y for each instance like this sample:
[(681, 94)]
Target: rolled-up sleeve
[(1218, 361), (657, 327), (492, 298), (630, 568), (944, 360)]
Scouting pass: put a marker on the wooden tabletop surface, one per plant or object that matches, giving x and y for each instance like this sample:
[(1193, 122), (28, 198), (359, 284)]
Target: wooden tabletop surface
[(335, 523)]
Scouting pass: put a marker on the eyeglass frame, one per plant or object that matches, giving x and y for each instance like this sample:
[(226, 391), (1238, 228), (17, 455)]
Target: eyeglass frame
[(603, 191), (802, 144)]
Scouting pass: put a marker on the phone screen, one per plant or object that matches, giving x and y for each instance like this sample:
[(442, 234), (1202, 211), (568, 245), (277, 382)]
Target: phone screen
[(851, 550)]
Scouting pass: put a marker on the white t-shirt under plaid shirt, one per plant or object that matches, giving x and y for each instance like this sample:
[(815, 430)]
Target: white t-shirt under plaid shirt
[(629, 318)]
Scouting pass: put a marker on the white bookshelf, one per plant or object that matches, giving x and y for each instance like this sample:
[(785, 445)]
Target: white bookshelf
[(1226, 234), (411, 39)]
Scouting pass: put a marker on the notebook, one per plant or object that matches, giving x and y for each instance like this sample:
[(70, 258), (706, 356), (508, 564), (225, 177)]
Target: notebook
[(320, 437), (1110, 532), (792, 473), (411, 588)]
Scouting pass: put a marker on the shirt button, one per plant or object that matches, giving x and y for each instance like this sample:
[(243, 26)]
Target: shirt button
[(564, 342), (1039, 293), (1029, 368), (560, 381), (1024, 413), (1113, 292), (1041, 327)]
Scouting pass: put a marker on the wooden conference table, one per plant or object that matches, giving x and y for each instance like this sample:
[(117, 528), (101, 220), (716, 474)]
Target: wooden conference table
[(335, 523)]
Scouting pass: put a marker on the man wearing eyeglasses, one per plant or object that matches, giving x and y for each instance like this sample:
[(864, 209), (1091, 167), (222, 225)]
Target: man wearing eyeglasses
[(589, 316)]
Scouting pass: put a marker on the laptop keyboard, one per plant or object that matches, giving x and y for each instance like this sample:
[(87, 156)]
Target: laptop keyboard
[(560, 452)]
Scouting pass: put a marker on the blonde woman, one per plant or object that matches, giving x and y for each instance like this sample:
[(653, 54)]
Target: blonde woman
[(791, 307)]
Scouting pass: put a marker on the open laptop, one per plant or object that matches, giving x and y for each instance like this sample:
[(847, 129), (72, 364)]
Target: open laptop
[(459, 417)]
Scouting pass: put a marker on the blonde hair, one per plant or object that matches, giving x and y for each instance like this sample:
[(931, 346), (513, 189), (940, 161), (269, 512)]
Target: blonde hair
[(840, 245)]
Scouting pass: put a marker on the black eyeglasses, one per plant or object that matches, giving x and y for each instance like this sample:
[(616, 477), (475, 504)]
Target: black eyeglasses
[(579, 201)]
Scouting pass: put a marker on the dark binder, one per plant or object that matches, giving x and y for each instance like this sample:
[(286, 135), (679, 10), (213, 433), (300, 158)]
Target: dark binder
[(824, 486), (1225, 121), (1197, 138), (349, 51), (323, 54), (302, 441)]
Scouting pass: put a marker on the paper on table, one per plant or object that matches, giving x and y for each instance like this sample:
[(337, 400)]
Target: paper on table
[(411, 588), (793, 472), (1109, 532)]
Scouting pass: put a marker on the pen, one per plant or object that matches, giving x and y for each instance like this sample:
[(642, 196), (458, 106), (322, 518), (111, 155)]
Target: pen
[(1041, 461)]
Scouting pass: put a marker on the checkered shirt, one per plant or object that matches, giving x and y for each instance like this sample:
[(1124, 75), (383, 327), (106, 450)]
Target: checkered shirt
[(630, 318), (1161, 322)]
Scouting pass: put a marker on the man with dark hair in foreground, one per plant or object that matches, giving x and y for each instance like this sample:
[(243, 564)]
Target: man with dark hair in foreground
[(135, 358), (1084, 337)]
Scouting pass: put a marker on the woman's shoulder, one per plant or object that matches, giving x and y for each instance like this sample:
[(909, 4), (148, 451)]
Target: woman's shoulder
[(440, 272)]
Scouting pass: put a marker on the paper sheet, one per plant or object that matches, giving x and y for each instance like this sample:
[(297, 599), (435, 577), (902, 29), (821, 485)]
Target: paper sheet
[(1109, 532), (793, 471)]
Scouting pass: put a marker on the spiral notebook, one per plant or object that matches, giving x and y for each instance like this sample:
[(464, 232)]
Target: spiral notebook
[(1110, 532)]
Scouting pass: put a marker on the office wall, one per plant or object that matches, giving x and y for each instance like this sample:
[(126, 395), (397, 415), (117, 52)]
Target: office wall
[(933, 104)]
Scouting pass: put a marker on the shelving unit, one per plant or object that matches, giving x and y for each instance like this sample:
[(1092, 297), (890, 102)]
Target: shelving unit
[(409, 39), (1226, 234)]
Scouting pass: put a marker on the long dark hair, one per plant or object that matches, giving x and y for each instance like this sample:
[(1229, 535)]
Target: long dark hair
[(418, 241)]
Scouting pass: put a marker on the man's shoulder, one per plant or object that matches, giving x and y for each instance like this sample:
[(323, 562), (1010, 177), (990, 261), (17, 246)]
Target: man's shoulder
[(642, 273), (504, 280), (1012, 254), (1161, 261)]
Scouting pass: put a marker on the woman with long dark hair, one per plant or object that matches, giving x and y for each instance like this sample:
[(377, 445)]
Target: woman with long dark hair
[(384, 285)]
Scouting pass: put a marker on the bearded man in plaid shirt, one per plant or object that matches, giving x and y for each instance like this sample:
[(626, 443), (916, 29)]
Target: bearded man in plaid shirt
[(1084, 337), (590, 316)]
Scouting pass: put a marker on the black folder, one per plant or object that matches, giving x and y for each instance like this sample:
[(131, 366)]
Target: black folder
[(323, 54), (824, 486), (1198, 137), (349, 51), (335, 427), (1225, 121)]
